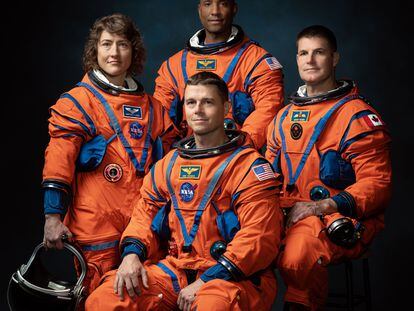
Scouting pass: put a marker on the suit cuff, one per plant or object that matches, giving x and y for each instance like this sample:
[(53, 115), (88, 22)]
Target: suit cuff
[(346, 204), (133, 246), (217, 271), (234, 271)]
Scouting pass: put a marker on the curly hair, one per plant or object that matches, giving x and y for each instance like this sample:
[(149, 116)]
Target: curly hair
[(115, 24)]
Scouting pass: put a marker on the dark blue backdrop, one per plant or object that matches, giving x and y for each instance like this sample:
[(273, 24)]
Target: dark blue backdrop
[(43, 47)]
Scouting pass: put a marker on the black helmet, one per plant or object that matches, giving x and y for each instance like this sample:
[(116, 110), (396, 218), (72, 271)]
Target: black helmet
[(34, 287)]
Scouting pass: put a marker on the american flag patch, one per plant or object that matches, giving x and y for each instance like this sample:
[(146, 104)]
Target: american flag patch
[(273, 63), (263, 171), (372, 120)]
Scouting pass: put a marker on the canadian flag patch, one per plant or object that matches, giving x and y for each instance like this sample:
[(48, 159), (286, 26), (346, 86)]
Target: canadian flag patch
[(372, 120)]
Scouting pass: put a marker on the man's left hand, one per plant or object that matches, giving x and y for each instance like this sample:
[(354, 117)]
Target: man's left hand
[(187, 295), (302, 210)]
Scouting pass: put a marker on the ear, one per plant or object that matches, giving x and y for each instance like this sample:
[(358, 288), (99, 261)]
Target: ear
[(335, 58), (227, 105), (199, 10), (235, 9)]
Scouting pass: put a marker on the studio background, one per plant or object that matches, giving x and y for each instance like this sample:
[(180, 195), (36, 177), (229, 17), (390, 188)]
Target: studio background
[(42, 50)]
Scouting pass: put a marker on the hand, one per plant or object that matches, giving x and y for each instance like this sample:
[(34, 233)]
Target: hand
[(128, 272), (187, 295), (302, 210), (54, 230)]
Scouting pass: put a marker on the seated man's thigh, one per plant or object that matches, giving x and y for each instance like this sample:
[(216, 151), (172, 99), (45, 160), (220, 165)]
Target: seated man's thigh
[(223, 295), (160, 294)]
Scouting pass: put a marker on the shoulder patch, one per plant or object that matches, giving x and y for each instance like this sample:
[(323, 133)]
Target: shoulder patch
[(373, 120), (263, 171), (273, 63)]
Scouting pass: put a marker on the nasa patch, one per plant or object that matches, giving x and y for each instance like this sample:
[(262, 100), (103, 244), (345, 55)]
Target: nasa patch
[(187, 191), (136, 130)]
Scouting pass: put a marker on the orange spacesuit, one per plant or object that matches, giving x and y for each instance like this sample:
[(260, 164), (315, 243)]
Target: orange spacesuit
[(336, 146), (254, 78), (102, 142), (218, 208)]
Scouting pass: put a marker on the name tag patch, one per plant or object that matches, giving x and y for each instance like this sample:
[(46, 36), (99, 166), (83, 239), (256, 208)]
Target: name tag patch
[(190, 171), (132, 112), (206, 64), (300, 115)]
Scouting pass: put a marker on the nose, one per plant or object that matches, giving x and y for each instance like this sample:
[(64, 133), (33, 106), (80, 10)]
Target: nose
[(215, 9), (197, 108), (114, 50), (310, 58)]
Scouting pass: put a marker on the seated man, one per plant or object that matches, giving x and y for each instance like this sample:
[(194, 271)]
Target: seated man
[(214, 200), (332, 149)]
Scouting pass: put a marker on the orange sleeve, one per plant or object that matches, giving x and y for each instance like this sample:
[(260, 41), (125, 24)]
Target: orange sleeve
[(272, 147), (165, 128), (256, 244), (366, 145), (69, 127), (151, 201), (165, 86), (372, 165), (266, 91)]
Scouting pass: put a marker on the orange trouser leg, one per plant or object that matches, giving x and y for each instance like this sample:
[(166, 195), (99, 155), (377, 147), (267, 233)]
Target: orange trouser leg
[(220, 295), (306, 280), (104, 298), (99, 263), (304, 260)]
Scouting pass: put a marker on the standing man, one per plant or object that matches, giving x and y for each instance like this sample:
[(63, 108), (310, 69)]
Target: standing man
[(333, 150), (103, 133), (215, 201), (254, 77)]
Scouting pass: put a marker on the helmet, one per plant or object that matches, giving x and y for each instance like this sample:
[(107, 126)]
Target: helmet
[(343, 231), (34, 287)]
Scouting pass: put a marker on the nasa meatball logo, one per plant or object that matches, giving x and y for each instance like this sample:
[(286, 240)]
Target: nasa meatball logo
[(296, 131), (113, 172), (187, 191), (136, 130)]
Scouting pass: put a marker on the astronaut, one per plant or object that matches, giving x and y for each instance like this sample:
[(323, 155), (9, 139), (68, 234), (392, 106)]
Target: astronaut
[(253, 75), (333, 151), (214, 202), (104, 136)]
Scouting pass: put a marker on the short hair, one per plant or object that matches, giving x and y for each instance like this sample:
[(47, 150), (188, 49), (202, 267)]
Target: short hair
[(210, 78), (318, 31), (231, 1), (115, 24)]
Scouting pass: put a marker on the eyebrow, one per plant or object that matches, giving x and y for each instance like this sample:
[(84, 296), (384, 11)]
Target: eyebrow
[(204, 98), (110, 40)]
